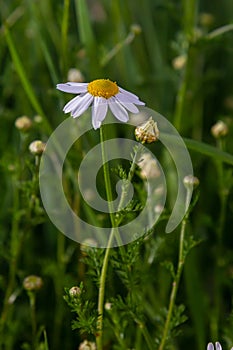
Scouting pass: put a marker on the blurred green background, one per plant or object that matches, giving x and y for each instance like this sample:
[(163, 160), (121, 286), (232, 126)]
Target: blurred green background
[(177, 57)]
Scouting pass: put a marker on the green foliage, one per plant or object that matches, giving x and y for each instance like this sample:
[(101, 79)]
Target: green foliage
[(85, 310), (178, 59)]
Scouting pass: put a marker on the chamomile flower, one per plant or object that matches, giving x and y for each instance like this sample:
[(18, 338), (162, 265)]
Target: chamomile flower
[(100, 94)]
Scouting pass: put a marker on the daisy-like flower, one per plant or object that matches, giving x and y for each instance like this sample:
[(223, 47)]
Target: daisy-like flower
[(100, 94), (217, 346)]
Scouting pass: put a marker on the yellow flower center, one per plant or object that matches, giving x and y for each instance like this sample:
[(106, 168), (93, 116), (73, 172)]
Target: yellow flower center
[(103, 88)]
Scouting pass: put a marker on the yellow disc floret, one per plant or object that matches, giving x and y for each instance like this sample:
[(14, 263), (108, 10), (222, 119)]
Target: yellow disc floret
[(103, 88)]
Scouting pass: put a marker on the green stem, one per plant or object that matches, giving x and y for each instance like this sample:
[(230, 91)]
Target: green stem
[(175, 284), (99, 338), (114, 230), (32, 299)]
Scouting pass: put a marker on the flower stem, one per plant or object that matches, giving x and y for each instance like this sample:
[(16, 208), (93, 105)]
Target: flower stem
[(114, 230), (99, 338), (175, 284)]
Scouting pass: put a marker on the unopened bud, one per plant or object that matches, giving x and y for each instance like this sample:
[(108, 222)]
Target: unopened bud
[(38, 119), (87, 345), (219, 129), (108, 306), (191, 181), (32, 283), (147, 132), (74, 291), (206, 19), (23, 123), (75, 75), (179, 62), (136, 29), (37, 147)]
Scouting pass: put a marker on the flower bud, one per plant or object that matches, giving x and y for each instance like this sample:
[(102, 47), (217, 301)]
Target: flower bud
[(206, 19), (32, 283), (148, 167), (74, 291), (87, 345), (23, 123), (190, 181), (38, 119), (108, 306), (37, 147), (147, 132), (219, 129), (75, 75), (136, 29), (179, 62)]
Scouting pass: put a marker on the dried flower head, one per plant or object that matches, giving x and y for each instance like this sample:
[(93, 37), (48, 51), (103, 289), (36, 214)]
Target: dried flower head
[(32, 283), (191, 181), (74, 291), (87, 345), (37, 147), (23, 123), (219, 129), (147, 132)]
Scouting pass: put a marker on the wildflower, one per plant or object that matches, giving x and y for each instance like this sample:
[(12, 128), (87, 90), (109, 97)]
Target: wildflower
[(32, 282), (100, 94), (217, 346), (23, 123), (87, 345), (37, 147), (219, 129), (148, 132)]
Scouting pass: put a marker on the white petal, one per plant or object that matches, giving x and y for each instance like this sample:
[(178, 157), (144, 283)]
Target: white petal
[(73, 88), (82, 106), (128, 93), (122, 97), (72, 104), (118, 110), (99, 110), (218, 346), (210, 346), (130, 106)]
